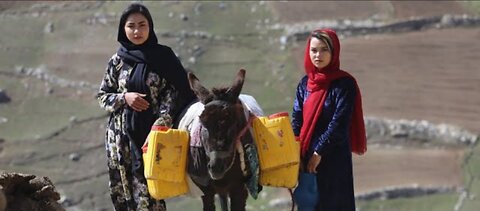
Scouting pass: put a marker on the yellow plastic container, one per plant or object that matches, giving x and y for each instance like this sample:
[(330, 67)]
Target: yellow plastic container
[(165, 159), (281, 177), (166, 155), (160, 189), (278, 151), (275, 141)]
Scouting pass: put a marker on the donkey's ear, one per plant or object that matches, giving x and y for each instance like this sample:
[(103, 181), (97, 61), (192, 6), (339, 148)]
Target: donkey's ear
[(202, 93), (236, 88)]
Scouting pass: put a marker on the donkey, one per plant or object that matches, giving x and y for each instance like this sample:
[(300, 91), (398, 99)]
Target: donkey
[(215, 164)]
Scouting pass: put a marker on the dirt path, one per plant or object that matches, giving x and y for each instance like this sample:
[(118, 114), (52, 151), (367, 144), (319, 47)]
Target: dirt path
[(383, 167), (431, 75)]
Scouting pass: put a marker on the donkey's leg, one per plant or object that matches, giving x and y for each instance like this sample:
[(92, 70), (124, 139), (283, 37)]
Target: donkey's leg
[(208, 202), (238, 197), (223, 201)]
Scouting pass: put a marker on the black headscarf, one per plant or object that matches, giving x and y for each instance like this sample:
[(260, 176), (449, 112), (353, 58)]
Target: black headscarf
[(145, 58)]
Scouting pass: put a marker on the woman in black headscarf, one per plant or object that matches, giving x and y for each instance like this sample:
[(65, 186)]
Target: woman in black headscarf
[(144, 82)]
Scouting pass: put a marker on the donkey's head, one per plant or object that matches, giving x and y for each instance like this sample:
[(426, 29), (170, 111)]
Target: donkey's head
[(223, 120)]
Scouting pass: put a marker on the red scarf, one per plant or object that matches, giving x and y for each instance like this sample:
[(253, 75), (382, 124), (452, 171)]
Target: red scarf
[(318, 84)]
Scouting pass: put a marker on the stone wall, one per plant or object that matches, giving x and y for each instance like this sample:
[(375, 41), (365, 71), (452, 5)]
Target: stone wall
[(403, 192), (387, 131), (347, 28)]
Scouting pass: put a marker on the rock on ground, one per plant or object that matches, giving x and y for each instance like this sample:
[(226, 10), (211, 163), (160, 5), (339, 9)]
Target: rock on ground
[(25, 192)]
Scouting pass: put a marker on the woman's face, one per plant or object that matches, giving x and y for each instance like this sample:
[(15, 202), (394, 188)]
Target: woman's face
[(137, 28), (319, 53)]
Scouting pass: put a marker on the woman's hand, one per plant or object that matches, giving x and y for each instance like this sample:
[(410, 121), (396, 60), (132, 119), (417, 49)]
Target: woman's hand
[(313, 163), (135, 101)]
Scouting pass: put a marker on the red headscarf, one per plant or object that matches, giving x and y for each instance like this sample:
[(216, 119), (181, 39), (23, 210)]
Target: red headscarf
[(318, 83)]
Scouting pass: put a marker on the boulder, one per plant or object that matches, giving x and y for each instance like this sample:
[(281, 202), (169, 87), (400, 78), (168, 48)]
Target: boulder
[(25, 192), (4, 97)]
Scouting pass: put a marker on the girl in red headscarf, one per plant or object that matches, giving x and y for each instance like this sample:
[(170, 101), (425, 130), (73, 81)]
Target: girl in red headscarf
[(328, 120)]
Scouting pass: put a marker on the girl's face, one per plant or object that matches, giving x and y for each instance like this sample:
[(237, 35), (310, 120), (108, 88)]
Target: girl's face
[(137, 28), (320, 55)]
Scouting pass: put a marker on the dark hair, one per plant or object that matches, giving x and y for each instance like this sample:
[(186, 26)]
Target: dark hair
[(131, 9), (325, 38)]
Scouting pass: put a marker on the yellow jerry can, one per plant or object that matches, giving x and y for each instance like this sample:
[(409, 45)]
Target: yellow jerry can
[(286, 177), (278, 151), (166, 155), (165, 160), (160, 189), (275, 141)]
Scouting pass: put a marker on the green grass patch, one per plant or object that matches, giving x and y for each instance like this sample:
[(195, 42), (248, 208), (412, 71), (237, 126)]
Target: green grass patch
[(472, 179), (65, 37), (38, 117), (22, 42), (33, 113), (472, 6), (219, 18)]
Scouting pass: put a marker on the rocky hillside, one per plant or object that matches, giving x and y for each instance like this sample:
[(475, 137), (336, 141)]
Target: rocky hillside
[(413, 61)]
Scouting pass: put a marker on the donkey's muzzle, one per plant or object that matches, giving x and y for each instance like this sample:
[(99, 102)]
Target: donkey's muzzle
[(219, 163)]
